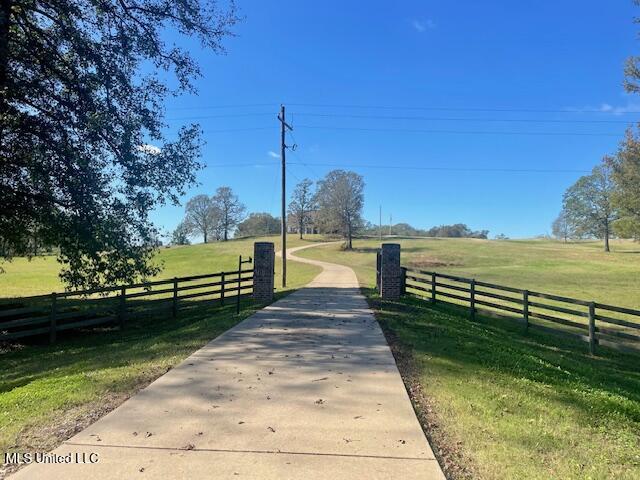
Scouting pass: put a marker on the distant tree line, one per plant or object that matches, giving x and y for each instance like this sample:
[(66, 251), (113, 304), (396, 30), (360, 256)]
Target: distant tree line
[(458, 230)]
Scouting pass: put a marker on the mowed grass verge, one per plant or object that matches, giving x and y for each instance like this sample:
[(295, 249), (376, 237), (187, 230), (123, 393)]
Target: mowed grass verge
[(513, 405), (48, 392)]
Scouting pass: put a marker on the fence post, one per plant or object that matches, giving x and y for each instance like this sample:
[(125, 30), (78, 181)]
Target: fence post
[(239, 281), (174, 309), (378, 263), (433, 287), (472, 299), (525, 309), (122, 310), (52, 319), (592, 328), (222, 289), (403, 280)]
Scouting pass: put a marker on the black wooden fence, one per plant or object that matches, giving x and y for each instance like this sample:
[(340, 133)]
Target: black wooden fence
[(592, 322), (50, 314)]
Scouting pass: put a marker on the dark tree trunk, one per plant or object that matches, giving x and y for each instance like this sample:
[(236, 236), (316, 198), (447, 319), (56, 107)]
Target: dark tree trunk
[(300, 227), (606, 237), (205, 236)]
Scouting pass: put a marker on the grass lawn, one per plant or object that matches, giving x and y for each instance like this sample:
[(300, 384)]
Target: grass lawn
[(580, 270), (47, 393), (23, 277), (509, 405)]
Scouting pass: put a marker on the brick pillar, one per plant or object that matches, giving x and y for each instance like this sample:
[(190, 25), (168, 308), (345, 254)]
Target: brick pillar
[(263, 269), (390, 272)]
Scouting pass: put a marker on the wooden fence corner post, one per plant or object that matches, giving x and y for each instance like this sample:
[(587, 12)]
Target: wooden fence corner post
[(122, 308), (174, 306), (403, 280), (525, 309), (472, 299), (240, 262), (53, 320), (592, 328), (433, 287), (222, 289)]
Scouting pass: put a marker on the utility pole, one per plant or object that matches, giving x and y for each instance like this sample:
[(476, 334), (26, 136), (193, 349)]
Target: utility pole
[(283, 223), (380, 223)]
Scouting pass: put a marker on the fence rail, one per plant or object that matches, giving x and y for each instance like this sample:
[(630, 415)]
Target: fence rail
[(592, 322), (59, 311)]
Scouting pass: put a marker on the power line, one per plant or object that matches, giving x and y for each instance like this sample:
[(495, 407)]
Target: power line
[(460, 132), (213, 107), (450, 169), (227, 165), (227, 130), (409, 167), (302, 162), (224, 115), (466, 109), (460, 119)]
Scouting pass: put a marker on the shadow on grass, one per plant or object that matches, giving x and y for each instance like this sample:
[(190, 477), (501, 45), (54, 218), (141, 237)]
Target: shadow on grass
[(142, 339), (607, 384)]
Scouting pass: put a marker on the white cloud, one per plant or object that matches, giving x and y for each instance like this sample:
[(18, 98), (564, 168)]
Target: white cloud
[(621, 109), (608, 108), (423, 25), (150, 149), (273, 154)]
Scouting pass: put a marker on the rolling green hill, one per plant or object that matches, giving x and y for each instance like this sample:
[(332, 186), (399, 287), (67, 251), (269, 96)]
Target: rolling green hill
[(580, 270), (38, 275)]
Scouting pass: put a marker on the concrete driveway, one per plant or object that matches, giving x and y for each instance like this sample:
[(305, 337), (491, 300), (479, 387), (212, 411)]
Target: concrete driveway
[(306, 388)]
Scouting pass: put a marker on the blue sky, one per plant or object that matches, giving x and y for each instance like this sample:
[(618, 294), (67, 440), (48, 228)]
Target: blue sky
[(460, 82)]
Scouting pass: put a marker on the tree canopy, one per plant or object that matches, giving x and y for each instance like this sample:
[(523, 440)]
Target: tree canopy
[(202, 217), (180, 235), (256, 224), (83, 154), (340, 198), (561, 227), (626, 177), (588, 204), (230, 209), (303, 202)]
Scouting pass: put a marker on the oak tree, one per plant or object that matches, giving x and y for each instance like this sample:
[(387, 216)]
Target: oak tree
[(588, 204), (83, 153), (626, 177), (230, 210), (340, 202), (202, 216), (257, 224), (303, 202), (561, 227)]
